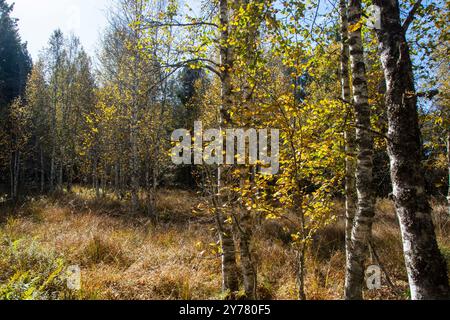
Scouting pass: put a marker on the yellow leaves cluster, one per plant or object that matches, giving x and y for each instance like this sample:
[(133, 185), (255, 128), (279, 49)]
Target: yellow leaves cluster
[(355, 27)]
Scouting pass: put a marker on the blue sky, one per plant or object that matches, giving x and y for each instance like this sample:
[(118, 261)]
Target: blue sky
[(38, 18), (85, 18)]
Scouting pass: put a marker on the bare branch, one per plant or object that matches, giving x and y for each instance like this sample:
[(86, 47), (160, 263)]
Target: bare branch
[(430, 94), (411, 14), (206, 66), (156, 24)]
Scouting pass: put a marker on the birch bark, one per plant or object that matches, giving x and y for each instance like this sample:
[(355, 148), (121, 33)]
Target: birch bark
[(427, 270), (362, 225), (229, 266), (350, 189)]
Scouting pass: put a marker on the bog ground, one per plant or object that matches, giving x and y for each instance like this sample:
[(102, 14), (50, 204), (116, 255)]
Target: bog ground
[(177, 258)]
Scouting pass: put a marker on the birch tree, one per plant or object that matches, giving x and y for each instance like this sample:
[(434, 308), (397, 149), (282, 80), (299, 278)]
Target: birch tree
[(38, 101), (55, 53), (19, 138), (350, 191), (427, 271), (362, 226), (229, 265)]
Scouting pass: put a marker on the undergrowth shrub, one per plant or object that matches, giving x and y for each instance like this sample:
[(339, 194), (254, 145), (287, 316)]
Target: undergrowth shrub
[(28, 272)]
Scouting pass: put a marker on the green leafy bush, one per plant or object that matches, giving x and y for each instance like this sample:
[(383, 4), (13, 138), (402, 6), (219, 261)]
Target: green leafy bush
[(28, 272)]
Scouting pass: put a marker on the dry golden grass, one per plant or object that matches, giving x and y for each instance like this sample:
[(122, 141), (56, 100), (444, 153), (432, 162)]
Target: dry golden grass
[(123, 257)]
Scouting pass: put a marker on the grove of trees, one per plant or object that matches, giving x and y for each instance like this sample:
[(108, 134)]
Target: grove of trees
[(363, 113)]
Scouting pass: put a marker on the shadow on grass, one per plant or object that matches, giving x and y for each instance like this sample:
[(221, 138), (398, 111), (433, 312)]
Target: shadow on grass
[(171, 207)]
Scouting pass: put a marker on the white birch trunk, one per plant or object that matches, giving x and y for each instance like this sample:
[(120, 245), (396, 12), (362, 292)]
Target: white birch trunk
[(350, 189), (362, 226), (426, 268), (230, 281), (42, 169)]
